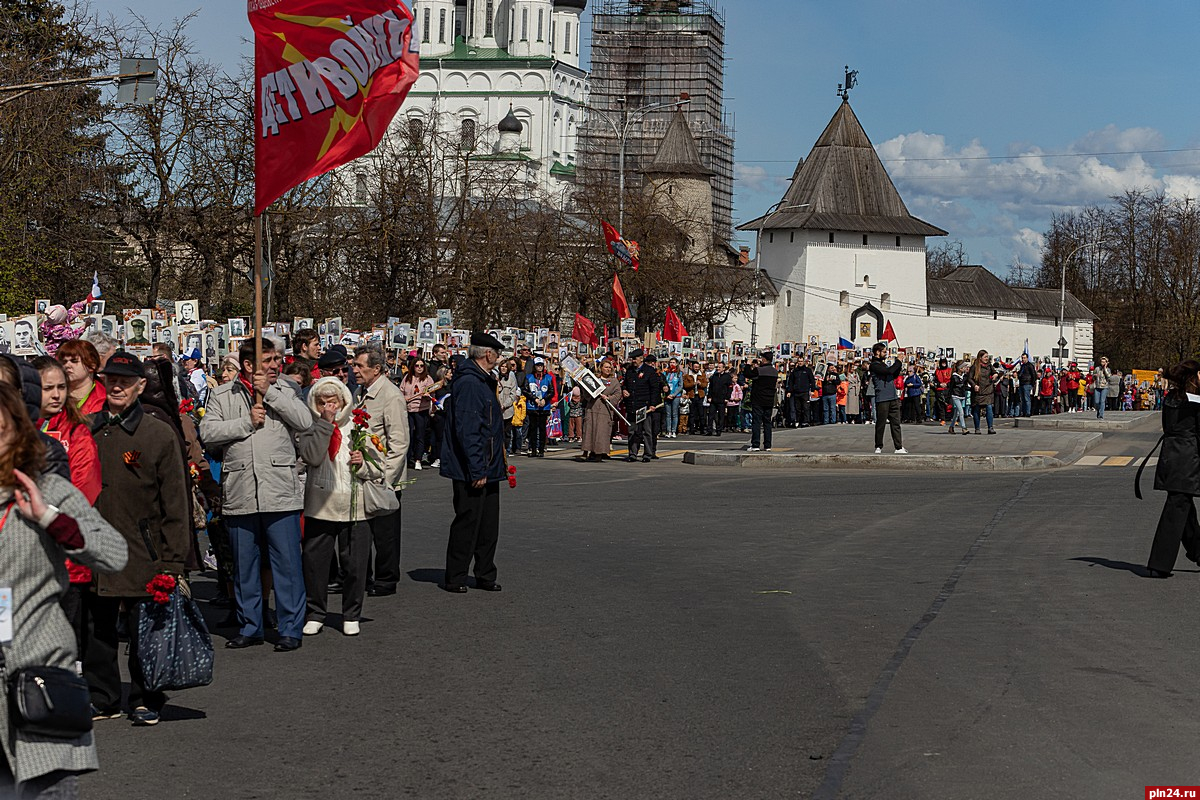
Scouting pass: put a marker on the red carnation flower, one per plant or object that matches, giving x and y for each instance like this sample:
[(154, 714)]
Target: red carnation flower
[(512, 470), (512, 482)]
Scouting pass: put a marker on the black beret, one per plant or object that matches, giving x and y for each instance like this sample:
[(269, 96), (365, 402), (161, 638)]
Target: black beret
[(637, 353), (483, 339), (331, 358), (651, 358)]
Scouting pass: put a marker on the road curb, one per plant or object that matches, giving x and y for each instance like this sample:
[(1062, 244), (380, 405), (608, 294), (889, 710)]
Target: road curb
[(910, 462), (1088, 423)]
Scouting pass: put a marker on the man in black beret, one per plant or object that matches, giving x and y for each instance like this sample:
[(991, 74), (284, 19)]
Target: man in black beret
[(642, 385), (333, 364), (473, 458)]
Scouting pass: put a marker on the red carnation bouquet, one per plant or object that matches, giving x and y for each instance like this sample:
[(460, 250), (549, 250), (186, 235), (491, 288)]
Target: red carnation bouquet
[(512, 477), (161, 587)]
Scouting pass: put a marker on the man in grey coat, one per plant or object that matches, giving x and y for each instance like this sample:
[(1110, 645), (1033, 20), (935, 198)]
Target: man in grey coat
[(388, 411), (887, 399), (252, 421)]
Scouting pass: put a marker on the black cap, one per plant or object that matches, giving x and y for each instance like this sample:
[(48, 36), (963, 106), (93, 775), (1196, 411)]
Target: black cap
[(331, 358), (484, 339), (123, 363), (341, 348), (650, 357), (637, 353)]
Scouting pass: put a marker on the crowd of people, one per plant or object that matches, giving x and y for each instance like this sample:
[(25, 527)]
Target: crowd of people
[(283, 471)]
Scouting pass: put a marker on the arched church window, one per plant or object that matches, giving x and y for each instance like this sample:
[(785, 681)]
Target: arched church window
[(466, 139), (489, 24), (789, 298), (885, 301)]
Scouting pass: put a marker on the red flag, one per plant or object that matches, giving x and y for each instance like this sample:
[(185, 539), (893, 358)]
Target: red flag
[(889, 335), (673, 330), (625, 250), (584, 331), (329, 75), (619, 304)]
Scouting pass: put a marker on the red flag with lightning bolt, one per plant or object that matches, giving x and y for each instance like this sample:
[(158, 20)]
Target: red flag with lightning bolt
[(329, 77)]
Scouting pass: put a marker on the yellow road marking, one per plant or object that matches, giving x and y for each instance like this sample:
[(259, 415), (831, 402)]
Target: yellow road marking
[(1050, 453), (1118, 461)]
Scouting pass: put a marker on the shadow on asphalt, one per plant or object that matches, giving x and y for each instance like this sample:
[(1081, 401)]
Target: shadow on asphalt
[(173, 713), (1136, 569), (427, 575)]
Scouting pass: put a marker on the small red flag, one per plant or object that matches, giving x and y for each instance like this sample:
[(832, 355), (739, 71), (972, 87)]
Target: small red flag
[(584, 331), (619, 304), (626, 251), (889, 335), (673, 330)]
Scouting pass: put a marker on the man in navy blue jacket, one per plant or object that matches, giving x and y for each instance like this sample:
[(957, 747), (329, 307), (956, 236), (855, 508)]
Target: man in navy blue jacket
[(473, 457)]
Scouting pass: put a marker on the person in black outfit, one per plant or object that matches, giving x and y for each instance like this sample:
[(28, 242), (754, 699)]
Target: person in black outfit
[(720, 387), (1178, 471), (764, 378), (887, 403), (642, 388), (473, 458), (1027, 381), (800, 383)]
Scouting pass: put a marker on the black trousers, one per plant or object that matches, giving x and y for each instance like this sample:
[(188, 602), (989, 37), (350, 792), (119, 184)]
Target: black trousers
[(716, 417), (888, 412), (418, 433), (473, 533), (642, 434), (385, 533), (1176, 524), (320, 541), (537, 430), (103, 649)]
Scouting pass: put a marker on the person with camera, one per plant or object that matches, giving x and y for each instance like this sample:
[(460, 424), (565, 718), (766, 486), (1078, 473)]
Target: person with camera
[(763, 379), (43, 521), (887, 402)]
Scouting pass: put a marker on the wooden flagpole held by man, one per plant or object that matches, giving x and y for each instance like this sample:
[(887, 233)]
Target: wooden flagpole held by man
[(329, 76)]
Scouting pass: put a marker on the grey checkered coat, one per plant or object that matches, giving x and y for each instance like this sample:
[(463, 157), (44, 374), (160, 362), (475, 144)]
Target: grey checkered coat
[(32, 564)]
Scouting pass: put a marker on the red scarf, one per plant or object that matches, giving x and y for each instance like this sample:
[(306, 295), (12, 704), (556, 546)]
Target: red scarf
[(335, 444)]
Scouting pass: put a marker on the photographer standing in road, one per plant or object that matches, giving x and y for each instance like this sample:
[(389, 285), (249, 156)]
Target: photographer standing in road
[(764, 378), (887, 403)]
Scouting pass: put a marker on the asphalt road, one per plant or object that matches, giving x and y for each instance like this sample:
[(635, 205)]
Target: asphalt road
[(671, 631)]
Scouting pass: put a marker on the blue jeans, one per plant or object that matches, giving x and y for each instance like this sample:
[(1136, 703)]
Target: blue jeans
[(672, 409), (760, 418), (960, 414), (975, 412), (828, 409), (1026, 400), (1101, 395), (280, 534)]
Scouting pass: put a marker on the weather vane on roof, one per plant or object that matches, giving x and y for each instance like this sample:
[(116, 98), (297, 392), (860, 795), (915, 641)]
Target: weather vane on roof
[(851, 81)]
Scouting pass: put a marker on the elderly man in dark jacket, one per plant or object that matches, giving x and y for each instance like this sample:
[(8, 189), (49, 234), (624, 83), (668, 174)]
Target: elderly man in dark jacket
[(145, 498), (643, 390), (473, 457), (800, 382)]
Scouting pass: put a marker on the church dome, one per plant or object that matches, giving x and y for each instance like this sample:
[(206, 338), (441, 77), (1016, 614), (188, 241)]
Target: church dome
[(579, 4), (510, 124)]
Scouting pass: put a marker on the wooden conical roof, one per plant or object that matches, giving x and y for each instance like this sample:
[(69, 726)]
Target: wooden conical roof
[(843, 186), (677, 152)]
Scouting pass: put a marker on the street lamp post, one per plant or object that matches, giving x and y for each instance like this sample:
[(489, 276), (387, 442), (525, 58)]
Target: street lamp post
[(758, 265), (622, 132), (1062, 305)]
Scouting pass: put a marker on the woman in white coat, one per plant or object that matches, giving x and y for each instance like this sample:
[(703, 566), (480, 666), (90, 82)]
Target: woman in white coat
[(334, 504)]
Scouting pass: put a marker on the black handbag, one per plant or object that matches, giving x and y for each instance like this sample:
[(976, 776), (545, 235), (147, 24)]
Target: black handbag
[(48, 701)]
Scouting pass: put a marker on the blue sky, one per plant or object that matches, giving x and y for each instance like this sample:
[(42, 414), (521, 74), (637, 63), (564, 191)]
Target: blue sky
[(987, 114)]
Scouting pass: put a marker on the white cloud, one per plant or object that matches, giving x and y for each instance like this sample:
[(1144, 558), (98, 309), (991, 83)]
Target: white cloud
[(754, 178), (1027, 245)]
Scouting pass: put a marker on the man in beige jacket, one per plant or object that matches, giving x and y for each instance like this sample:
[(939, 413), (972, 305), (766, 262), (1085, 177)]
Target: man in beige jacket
[(380, 398)]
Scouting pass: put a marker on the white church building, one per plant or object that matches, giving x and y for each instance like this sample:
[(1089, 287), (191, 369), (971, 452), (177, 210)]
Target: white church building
[(482, 59), (846, 258)]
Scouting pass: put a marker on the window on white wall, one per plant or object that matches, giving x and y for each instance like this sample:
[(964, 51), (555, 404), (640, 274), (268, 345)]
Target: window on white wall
[(524, 24), (567, 40), (885, 301), (466, 139), (845, 298), (789, 298), (427, 26), (526, 129), (553, 30), (360, 188), (442, 26), (489, 24), (541, 22)]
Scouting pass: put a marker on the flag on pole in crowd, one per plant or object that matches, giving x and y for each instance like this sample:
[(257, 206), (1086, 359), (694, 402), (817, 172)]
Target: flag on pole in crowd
[(1026, 347), (619, 304), (845, 344), (673, 330), (584, 331), (623, 249), (889, 335), (328, 78), (95, 295)]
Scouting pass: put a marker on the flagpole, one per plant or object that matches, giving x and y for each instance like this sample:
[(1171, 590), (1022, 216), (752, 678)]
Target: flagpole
[(258, 299)]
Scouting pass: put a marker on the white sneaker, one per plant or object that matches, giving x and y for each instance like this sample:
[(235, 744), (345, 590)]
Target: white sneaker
[(752, 449), (878, 451), (901, 452), (350, 628), (417, 466), (437, 462), (312, 627)]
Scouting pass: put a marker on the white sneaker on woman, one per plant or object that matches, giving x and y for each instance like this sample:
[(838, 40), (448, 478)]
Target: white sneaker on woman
[(313, 627), (350, 628)]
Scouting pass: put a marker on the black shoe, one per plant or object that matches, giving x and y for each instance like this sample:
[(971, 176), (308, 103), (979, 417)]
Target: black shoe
[(287, 644), (645, 459), (221, 601), (542, 454), (238, 642), (1156, 573), (991, 431), (379, 591), (487, 586), (631, 459), (453, 588), (654, 458)]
